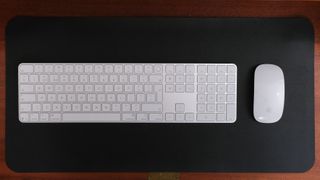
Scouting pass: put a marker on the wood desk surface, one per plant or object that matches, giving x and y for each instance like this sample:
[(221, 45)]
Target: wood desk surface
[(199, 8)]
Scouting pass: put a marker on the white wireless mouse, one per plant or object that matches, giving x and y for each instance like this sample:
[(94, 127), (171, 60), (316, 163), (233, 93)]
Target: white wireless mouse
[(269, 92)]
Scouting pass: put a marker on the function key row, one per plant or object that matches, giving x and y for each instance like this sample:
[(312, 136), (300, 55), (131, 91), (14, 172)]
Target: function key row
[(200, 69), (92, 68)]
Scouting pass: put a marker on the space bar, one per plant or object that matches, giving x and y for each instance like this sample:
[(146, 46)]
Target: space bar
[(91, 117)]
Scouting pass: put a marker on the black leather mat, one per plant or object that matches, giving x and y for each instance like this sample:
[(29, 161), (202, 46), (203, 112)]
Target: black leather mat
[(245, 145)]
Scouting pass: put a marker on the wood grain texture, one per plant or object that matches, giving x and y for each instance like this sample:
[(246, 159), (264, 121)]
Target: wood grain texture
[(187, 8)]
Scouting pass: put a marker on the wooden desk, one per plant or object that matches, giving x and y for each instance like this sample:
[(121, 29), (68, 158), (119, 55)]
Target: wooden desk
[(200, 8)]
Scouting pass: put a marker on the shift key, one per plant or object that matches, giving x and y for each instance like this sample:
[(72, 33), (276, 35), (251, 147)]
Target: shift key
[(151, 107)]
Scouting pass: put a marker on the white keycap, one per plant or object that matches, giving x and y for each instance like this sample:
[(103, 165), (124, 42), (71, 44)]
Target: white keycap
[(180, 88), (211, 79), (34, 78), (143, 78), (69, 68), (101, 97), (55, 117), (46, 107), (128, 117), (85, 107), (231, 98), (221, 78), (123, 78), (26, 88), (38, 68), (58, 68), (206, 117), (78, 68), (151, 107), (221, 69), (131, 97), (170, 116), (232, 69), (169, 88), (221, 117), (211, 69), (231, 112), (44, 78), (151, 98), (23, 78), (201, 107), (211, 88), (179, 117), (88, 68), (66, 107), (92, 117), (169, 69), (155, 79), (201, 98), (44, 117), (25, 68), (104, 78), (34, 117), (169, 78), (202, 69), (24, 117), (148, 69), (221, 97), (109, 69), (142, 117), (180, 107), (190, 117), (155, 117), (158, 68), (190, 79), (211, 98), (54, 78), (190, 69), (40, 88), (190, 88), (96, 107), (138, 68), (51, 97), (135, 107), (116, 107), (98, 68), (202, 79), (106, 107), (25, 107), (231, 78), (56, 107), (211, 107), (179, 79), (201, 88), (48, 68), (221, 88), (180, 69), (133, 78), (36, 107), (221, 107), (27, 97), (231, 88), (126, 107)]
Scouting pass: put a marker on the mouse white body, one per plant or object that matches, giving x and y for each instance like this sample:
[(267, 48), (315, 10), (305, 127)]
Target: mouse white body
[(269, 93)]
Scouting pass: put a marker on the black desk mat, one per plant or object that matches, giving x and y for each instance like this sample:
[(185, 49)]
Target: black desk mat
[(246, 145)]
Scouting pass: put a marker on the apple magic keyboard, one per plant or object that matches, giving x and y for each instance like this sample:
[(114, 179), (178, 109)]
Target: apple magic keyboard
[(127, 92)]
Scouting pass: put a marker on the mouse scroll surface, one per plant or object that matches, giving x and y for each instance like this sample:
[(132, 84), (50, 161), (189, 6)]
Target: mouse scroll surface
[(269, 93)]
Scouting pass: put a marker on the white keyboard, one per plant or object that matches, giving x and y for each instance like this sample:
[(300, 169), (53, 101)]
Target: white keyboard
[(127, 93)]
